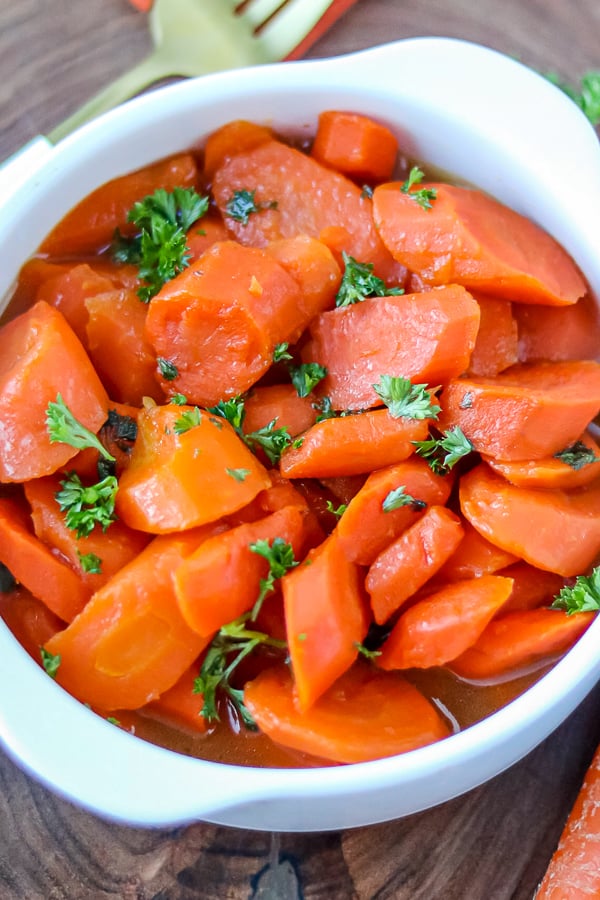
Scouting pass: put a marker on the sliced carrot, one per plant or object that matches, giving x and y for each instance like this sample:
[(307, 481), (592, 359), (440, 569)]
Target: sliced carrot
[(467, 237), (177, 481), (230, 139), (221, 580), (515, 642), (46, 574), (119, 348), (279, 494), (424, 337), (352, 444), (555, 333), (526, 412), (201, 236), (531, 587), (441, 627), (68, 292), (219, 321), (474, 556), (555, 530), (41, 357), (309, 198), (180, 707), (496, 347), (411, 560), (344, 487), (355, 145), (130, 643), (281, 402), (365, 715), (30, 620), (90, 226), (552, 472), (32, 275), (114, 547), (326, 618), (313, 266), (366, 529), (574, 869)]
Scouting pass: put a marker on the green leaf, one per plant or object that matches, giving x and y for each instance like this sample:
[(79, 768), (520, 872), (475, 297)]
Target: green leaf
[(280, 353), (364, 651), (86, 507), (398, 498), (358, 283), (406, 400), (238, 474), (63, 427), (424, 196), (50, 662), (583, 596), (272, 441), (242, 204), (336, 511), (178, 400), (443, 453), (231, 410), (280, 556), (168, 370), (306, 377), (577, 455), (90, 563), (187, 420)]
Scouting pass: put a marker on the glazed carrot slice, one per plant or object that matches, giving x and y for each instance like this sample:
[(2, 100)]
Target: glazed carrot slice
[(113, 548), (221, 580), (180, 707), (186, 474), (30, 620), (119, 348), (90, 226), (40, 357), (281, 402), (68, 292), (474, 556), (130, 644), (32, 275), (468, 238), (441, 627), (531, 587), (528, 411), (355, 145), (365, 715), (553, 472), (202, 235), (326, 618), (427, 338), (313, 266), (367, 528), (309, 198), (555, 333), (230, 139), (279, 494), (411, 560), (519, 640), (36, 567), (574, 871), (352, 444), (496, 346), (554, 530), (219, 321)]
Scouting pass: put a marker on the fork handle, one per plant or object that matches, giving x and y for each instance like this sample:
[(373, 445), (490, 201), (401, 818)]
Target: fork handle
[(151, 69)]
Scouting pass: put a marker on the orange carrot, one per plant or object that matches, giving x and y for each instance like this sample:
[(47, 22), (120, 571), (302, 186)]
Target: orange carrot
[(514, 642), (441, 627), (574, 869), (180, 707), (411, 560), (90, 226), (365, 715), (221, 580), (468, 238), (202, 235), (30, 620), (526, 412), (118, 346), (281, 402), (309, 198), (553, 472), (68, 292), (176, 481), (427, 338), (326, 618), (344, 487), (355, 145), (280, 493), (531, 587), (554, 530), (142, 5), (46, 574), (496, 346), (474, 556), (130, 644), (313, 266), (555, 333), (230, 139), (219, 321), (366, 528), (352, 444), (32, 275), (41, 357)]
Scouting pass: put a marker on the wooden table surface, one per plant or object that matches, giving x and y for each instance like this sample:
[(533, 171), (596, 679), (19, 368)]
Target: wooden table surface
[(492, 844)]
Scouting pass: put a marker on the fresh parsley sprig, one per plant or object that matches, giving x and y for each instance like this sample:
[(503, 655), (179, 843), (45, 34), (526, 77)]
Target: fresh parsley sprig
[(271, 440), (423, 196), (242, 204), (576, 455), (398, 498), (86, 507), (583, 596), (50, 662), (358, 283), (306, 377), (444, 452), (280, 556), (64, 428), (405, 400)]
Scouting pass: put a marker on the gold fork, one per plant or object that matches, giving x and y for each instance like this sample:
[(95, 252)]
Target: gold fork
[(194, 37)]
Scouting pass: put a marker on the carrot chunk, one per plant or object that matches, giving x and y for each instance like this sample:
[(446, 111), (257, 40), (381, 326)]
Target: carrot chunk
[(68, 292), (474, 556), (365, 715), (411, 560), (425, 337), (469, 238), (181, 706), (442, 626), (230, 139), (526, 412), (554, 530), (558, 332), (29, 620), (582, 467), (496, 347), (281, 402), (186, 474), (355, 145), (313, 266), (41, 357), (326, 618), (531, 587)]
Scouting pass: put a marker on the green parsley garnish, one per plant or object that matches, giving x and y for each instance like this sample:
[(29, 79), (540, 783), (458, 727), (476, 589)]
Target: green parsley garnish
[(587, 96), (238, 474), (232, 411), (272, 441), (280, 353), (364, 651), (242, 204), (90, 563), (178, 400), (358, 283), (583, 596), (189, 419), (406, 400), (86, 507), (50, 662), (423, 196), (168, 370), (63, 427), (336, 511), (280, 556), (577, 455), (112, 721), (443, 453), (398, 498), (306, 377)]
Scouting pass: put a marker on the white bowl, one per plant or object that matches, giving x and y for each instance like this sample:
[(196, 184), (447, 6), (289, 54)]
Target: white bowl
[(464, 108)]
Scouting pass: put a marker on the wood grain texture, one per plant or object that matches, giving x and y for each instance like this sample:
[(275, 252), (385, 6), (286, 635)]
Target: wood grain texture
[(491, 844)]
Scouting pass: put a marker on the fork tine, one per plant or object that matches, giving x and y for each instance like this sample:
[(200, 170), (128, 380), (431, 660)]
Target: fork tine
[(290, 25), (259, 11)]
